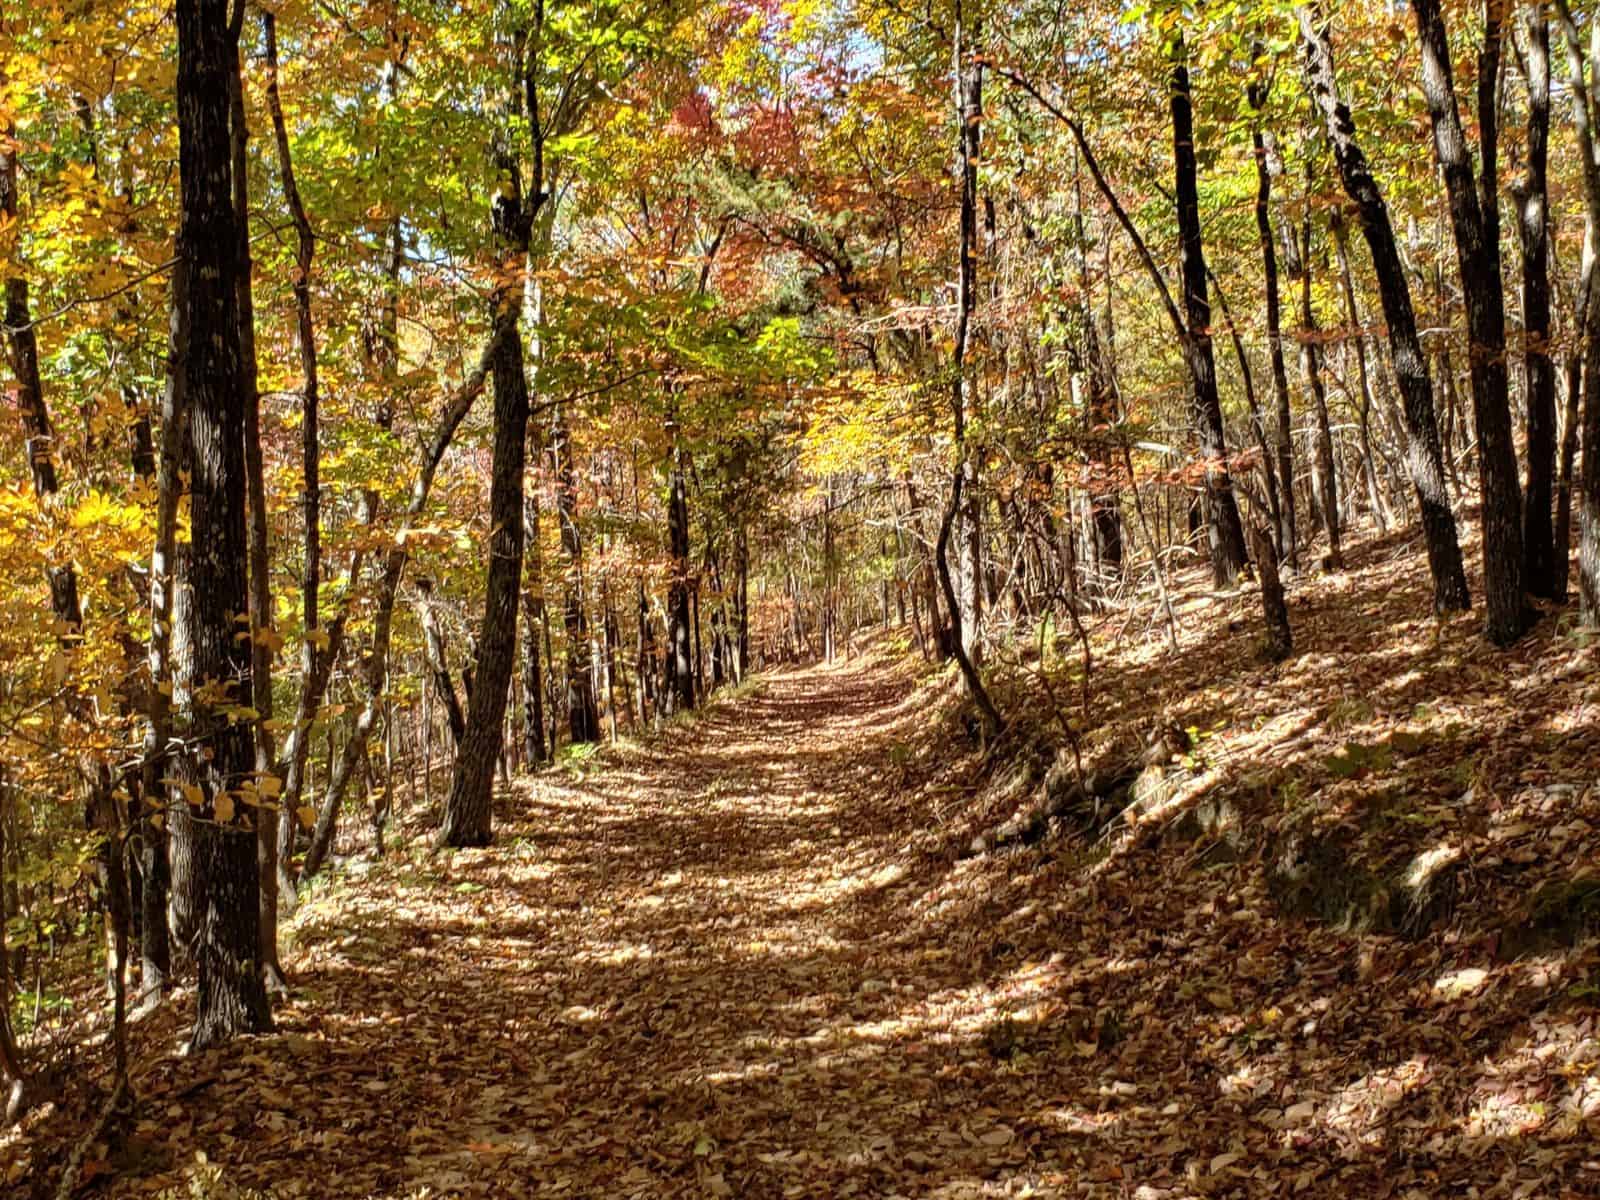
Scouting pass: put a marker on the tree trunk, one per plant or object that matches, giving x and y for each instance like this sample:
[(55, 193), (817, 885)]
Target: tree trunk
[(374, 672), (583, 716), (1588, 500), (262, 635), (1358, 338), (1323, 481), (434, 651), (741, 600), (1544, 572), (1423, 458), (1571, 424), (1225, 532), (324, 641), (230, 997), (1101, 416), (680, 664), (1475, 220), (11, 1073), (183, 901), (1258, 427), (533, 746), (1266, 168), (611, 640), (310, 454), (645, 647), (969, 115), (1579, 85), (469, 805), (1280, 638)]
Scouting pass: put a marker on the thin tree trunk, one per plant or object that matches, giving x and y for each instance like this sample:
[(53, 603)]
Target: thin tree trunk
[(11, 1072), (969, 96), (1323, 481), (1267, 166), (1544, 572), (1280, 638), (311, 497), (1582, 82), (1474, 217), (583, 717), (1258, 428), (742, 599), (533, 746), (1225, 532), (680, 664), (375, 670), (263, 637), (1357, 334), (437, 657), (468, 814), (1423, 457)]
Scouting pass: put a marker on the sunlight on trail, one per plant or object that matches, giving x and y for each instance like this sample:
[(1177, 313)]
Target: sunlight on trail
[(742, 960)]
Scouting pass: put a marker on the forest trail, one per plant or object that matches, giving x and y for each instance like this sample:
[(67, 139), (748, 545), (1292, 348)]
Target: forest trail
[(675, 974), (753, 957)]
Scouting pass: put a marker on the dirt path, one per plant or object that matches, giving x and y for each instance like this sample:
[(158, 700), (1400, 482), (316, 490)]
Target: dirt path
[(750, 960), (677, 973)]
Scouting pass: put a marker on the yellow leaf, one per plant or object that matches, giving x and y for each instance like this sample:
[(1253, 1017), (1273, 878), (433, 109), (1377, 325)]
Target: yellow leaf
[(307, 815), (223, 808), (193, 794)]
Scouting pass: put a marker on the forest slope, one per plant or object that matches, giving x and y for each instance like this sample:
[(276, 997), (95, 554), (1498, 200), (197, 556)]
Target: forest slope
[(767, 955)]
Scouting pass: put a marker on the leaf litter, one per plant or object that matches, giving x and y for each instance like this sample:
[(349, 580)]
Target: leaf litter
[(751, 957)]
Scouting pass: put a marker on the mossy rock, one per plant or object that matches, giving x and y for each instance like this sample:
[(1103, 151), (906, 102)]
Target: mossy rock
[(1559, 915), (1088, 805), (1216, 819), (1316, 878), (1424, 894), (1313, 878)]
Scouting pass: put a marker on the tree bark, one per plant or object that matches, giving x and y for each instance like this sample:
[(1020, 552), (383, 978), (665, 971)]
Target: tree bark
[(1474, 216), (741, 601), (1544, 572), (1588, 500), (262, 634), (1266, 167), (968, 98), (1280, 638), (468, 814), (1225, 532), (1322, 476), (1258, 426), (533, 745), (680, 663), (1358, 338), (582, 713), (1424, 460), (230, 997), (433, 644), (1580, 85), (11, 1072)]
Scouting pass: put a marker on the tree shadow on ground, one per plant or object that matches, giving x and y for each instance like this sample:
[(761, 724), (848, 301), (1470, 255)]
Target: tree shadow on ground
[(754, 957)]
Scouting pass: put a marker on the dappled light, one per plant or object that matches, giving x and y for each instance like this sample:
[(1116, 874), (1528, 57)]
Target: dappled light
[(812, 998), (799, 600)]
